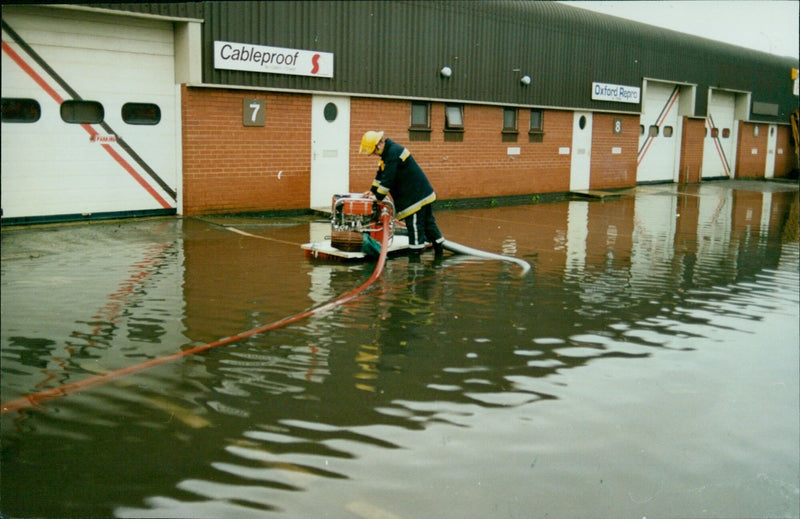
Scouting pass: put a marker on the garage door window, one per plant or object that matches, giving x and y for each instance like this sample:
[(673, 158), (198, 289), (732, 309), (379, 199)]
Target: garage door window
[(146, 113), (21, 110), (82, 112)]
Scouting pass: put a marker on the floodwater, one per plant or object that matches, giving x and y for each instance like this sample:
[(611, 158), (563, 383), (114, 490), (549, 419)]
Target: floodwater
[(647, 366)]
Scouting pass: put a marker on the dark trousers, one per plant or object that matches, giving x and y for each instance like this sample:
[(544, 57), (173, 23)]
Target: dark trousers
[(422, 227)]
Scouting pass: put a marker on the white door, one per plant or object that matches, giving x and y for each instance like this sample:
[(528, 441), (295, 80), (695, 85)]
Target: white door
[(581, 151), (719, 146), (330, 148), (659, 141), (772, 144)]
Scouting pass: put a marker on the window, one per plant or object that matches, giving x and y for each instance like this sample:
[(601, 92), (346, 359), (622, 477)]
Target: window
[(141, 113), (82, 112), (453, 123), (21, 110), (653, 131), (453, 117), (714, 133), (726, 132), (510, 125), (330, 112), (510, 119), (420, 129), (641, 130), (667, 131), (537, 120), (420, 116), (536, 132)]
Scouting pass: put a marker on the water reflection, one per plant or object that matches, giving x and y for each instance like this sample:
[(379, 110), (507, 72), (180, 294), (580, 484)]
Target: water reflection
[(499, 392)]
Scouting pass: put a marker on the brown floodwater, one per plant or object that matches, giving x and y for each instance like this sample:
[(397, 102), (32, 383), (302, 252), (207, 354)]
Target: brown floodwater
[(647, 366)]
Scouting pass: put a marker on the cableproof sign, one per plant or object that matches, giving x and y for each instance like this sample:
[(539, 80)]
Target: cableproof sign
[(274, 60)]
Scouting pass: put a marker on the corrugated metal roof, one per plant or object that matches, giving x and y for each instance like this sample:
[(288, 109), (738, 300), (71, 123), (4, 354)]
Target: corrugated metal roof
[(397, 49)]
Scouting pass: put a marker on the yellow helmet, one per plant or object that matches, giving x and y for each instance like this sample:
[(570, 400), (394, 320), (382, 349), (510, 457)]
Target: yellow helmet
[(369, 141)]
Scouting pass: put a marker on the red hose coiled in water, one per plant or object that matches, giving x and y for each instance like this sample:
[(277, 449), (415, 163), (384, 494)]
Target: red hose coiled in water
[(35, 399)]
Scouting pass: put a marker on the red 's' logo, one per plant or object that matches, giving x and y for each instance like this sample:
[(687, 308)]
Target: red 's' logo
[(315, 62)]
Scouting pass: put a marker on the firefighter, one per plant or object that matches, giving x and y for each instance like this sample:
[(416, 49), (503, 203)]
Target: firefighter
[(399, 175)]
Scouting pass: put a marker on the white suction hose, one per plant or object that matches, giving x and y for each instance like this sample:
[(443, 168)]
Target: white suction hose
[(463, 249)]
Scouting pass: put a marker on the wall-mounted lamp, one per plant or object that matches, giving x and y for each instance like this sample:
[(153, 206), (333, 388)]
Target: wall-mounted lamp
[(446, 71), (525, 80)]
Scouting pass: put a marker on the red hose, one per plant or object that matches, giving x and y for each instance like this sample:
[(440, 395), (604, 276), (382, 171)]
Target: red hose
[(35, 399)]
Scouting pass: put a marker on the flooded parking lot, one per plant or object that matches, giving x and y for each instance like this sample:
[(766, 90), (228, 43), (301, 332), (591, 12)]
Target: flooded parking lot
[(647, 366)]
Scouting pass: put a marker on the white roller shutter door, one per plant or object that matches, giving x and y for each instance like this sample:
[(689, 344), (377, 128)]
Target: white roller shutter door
[(53, 167)]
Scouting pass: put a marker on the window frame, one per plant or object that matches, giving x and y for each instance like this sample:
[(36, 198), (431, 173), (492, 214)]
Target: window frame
[(419, 132), (453, 131), (536, 132), (427, 124), (510, 133), (514, 112), (448, 124)]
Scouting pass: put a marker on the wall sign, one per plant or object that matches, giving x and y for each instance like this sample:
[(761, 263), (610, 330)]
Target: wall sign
[(274, 60), (615, 93), (254, 112)]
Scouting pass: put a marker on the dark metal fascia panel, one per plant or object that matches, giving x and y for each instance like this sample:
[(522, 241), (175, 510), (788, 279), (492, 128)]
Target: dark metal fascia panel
[(396, 48)]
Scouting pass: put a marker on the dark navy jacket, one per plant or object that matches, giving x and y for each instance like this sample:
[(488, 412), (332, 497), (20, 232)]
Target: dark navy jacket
[(400, 175)]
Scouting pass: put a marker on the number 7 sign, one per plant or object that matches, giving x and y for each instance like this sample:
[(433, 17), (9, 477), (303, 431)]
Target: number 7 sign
[(254, 112)]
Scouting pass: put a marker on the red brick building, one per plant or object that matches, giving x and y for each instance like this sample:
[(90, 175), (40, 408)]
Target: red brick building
[(225, 107)]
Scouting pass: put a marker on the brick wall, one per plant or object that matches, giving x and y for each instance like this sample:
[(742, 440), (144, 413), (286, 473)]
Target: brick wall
[(691, 161), (614, 155), (785, 157), (228, 167), (751, 155), (750, 164), (479, 166)]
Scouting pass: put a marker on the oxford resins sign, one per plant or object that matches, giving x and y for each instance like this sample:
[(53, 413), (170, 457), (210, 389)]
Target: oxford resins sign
[(275, 60), (618, 93)]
